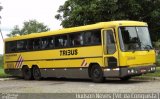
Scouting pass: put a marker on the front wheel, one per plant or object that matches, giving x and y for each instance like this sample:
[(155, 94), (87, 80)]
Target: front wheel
[(97, 74), (36, 73)]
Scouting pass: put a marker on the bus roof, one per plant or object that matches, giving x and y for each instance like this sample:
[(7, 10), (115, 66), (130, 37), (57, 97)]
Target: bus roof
[(99, 25)]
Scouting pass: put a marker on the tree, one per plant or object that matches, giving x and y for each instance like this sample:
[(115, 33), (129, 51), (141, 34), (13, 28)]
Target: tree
[(0, 20), (82, 12), (15, 31), (1, 60), (31, 26)]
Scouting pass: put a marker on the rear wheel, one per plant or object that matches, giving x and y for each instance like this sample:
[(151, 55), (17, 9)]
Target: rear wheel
[(26, 72), (36, 73), (96, 74)]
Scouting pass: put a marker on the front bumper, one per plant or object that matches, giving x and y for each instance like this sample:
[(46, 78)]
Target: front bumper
[(129, 71)]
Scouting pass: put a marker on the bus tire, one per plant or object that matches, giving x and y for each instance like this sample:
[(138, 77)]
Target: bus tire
[(125, 78), (96, 74), (27, 73), (36, 73)]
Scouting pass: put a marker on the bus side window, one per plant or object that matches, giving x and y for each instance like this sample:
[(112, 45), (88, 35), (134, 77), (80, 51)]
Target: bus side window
[(30, 44), (11, 47), (92, 37), (7, 47), (61, 41), (51, 42), (76, 39), (21, 45), (72, 39), (87, 38), (36, 44), (96, 37), (44, 43)]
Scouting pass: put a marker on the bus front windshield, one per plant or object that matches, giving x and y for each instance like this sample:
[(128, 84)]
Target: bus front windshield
[(134, 38)]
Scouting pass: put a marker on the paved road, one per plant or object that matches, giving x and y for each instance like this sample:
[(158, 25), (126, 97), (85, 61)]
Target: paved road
[(79, 86)]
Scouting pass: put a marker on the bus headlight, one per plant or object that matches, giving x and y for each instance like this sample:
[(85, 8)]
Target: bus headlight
[(153, 68), (132, 71), (129, 71)]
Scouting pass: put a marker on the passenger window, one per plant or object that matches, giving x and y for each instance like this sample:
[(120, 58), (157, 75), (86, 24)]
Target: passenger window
[(92, 37), (37, 44), (11, 47), (51, 42), (44, 43), (30, 44), (7, 47), (61, 41), (76, 39), (87, 38), (21, 45)]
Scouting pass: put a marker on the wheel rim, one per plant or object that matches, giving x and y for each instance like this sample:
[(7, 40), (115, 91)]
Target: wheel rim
[(37, 74), (96, 73), (26, 73)]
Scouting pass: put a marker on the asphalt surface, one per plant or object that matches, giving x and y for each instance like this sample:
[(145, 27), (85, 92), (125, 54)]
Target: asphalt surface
[(55, 85)]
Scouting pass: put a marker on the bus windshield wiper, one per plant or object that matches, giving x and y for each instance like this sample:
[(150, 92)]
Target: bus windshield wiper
[(147, 47)]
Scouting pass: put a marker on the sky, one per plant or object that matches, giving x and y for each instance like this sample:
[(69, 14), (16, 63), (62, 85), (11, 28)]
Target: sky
[(15, 12)]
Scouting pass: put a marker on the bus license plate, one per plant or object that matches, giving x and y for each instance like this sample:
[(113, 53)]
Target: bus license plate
[(143, 70)]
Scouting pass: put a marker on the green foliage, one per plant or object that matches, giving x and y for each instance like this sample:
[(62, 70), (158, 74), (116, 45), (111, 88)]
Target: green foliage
[(155, 74), (15, 31), (82, 12), (156, 44), (158, 60), (1, 61), (2, 74), (31, 26)]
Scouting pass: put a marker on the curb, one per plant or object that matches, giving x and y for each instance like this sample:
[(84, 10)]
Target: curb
[(5, 79)]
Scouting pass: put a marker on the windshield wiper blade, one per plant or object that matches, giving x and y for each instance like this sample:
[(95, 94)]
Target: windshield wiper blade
[(148, 47)]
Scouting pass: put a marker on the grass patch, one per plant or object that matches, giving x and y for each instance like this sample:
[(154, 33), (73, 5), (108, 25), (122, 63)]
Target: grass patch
[(2, 74), (158, 60), (155, 74)]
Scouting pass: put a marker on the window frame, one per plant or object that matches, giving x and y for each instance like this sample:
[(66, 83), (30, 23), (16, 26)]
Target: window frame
[(105, 40), (54, 37)]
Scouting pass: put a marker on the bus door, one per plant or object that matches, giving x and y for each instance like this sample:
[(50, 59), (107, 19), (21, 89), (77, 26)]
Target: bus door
[(110, 53)]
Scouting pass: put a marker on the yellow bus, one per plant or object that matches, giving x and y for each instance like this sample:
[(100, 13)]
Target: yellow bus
[(115, 49)]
